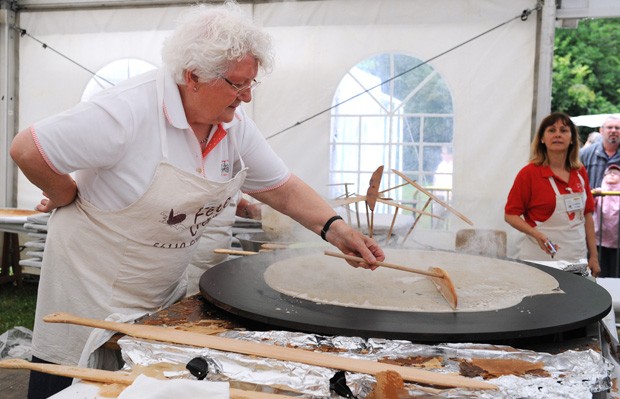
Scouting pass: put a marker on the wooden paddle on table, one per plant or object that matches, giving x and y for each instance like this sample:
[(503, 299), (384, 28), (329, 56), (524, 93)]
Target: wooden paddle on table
[(111, 377), (371, 197), (433, 197), (330, 361), (438, 276)]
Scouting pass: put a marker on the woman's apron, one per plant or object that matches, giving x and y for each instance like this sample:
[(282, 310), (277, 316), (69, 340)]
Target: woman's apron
[(217, 235), (128, 262), (565, 228)]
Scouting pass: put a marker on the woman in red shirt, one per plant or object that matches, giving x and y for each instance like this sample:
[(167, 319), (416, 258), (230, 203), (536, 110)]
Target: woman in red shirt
[(550, 200)]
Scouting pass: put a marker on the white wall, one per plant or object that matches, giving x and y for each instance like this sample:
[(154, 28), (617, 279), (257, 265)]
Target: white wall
[(317, 42), (491, 81)]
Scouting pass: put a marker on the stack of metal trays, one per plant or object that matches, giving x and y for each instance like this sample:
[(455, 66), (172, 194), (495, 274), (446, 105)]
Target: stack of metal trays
[(36, 227)]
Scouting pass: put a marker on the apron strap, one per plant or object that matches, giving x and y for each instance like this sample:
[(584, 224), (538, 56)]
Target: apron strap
[(555, 187), (159, 88)]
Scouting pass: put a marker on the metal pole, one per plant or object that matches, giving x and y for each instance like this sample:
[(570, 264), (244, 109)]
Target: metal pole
[(618, 250), (8, 102), (544, 65), (599, 246)]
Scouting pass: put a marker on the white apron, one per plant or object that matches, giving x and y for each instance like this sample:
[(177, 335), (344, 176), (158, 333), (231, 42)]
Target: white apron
[(565, 228), (128, 262), (218, 234)]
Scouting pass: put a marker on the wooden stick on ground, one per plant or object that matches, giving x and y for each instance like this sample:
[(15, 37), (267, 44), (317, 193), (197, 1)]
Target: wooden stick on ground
[(104, 376), (111, 377), (272, 351)]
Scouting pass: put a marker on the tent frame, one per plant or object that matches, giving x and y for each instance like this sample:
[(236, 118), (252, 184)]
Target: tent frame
[(554, 13)]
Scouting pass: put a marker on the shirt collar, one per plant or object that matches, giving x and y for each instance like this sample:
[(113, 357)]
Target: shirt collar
[(546, 171), (173, 107), (235, 121)]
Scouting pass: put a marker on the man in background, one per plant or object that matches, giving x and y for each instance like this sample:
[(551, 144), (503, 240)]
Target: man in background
[(598, 156)]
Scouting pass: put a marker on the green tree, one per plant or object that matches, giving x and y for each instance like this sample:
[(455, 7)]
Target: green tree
[(586, 66)]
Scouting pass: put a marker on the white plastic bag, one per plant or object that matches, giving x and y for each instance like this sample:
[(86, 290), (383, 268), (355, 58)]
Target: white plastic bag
[(15, 343), (150, 388)]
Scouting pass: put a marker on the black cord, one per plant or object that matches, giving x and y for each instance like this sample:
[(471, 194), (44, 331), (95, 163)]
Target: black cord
[(526, 13), (523, 16), (23, 32)]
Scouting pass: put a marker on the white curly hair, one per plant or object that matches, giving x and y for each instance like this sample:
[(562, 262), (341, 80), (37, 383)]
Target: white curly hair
[(210, 38)]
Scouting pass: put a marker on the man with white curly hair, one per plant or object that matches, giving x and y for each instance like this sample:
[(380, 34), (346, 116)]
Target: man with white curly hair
[(155, 159)]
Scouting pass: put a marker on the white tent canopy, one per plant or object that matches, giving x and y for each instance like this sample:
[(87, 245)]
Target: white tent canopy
[(486, 54), (592, 120)]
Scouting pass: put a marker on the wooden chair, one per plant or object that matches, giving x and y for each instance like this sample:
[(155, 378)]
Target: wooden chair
[(485, 242), (10, 260)]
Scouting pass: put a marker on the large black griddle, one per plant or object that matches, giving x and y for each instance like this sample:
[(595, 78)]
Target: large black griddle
[(237, 286)]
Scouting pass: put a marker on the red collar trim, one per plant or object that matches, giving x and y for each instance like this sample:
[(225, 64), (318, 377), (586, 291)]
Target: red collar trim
[(219, 134)]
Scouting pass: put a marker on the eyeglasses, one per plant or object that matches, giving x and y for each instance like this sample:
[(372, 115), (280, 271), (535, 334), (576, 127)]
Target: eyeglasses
[(612, 127), (250, 86)]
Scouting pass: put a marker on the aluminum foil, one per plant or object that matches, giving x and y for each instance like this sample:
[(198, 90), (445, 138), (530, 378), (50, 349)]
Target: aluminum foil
[(580, 267), (574, 374), (577, 268)]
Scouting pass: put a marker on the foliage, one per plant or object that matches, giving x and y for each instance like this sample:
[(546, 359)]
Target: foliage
[(585, 68), (17, 305)]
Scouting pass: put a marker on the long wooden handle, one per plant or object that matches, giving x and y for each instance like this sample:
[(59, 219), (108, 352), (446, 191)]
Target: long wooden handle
[(233, 252), (434, 197), (111, 377), (268, 245), (385, 264), (271, 351), (407, 208), (108, 377)]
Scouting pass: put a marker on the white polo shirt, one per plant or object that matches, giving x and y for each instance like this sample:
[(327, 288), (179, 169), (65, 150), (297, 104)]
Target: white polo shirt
[(113, 144)]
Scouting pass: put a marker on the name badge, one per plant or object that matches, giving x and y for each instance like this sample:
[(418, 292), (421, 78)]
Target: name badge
[(573, 204)]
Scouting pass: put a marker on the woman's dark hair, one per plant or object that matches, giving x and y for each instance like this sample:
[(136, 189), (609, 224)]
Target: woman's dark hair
[(538, 152)]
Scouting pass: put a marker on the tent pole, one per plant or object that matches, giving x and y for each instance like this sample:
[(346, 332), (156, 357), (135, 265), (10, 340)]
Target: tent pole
[(8, 104), (544, 66)]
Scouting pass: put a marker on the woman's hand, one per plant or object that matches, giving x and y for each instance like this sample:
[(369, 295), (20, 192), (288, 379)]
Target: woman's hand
[(593, 265), (59, 189), (545, 243), (47, 204), (352, 242), (518, 223)]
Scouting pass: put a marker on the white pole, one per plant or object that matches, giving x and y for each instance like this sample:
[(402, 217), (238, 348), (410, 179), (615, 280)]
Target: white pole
[(544, 68)]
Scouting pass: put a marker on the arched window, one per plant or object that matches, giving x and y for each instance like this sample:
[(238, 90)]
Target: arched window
[(391, 110), (114, 73)]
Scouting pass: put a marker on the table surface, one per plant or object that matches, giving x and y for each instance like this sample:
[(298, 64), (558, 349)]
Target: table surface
[(191, 310), (238, 286), (17, 228), (195, 309), (79, 390)]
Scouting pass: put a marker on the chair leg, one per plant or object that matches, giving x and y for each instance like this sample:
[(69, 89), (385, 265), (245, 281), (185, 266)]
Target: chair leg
[(10, 260)]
